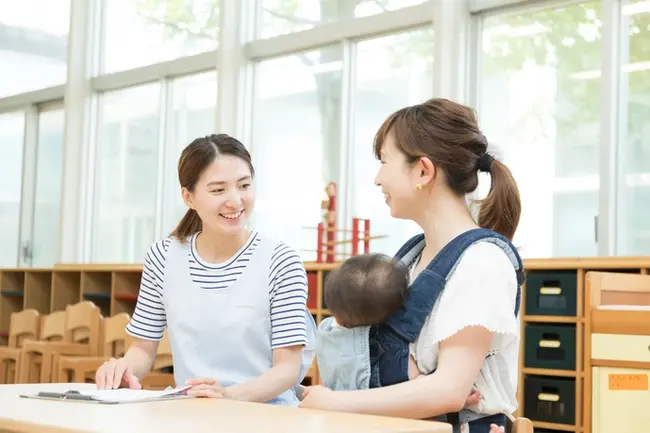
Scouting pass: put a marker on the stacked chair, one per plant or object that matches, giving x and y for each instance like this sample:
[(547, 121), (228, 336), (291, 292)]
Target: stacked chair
[(23, 326), (70, 345)]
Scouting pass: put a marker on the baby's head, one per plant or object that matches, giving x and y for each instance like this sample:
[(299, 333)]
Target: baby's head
[(366, 289)]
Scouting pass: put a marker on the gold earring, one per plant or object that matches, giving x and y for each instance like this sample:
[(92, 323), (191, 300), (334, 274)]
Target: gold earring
[(419, 186)]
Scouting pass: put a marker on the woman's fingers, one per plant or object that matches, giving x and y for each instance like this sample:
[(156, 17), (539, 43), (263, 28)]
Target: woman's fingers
[(132, 381), (208, 393), (105, 373), (204, 391), (201, 380)]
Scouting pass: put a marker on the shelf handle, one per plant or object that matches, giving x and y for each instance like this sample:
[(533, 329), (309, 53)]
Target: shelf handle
[(554, 344), (548, 397), (550, 291)]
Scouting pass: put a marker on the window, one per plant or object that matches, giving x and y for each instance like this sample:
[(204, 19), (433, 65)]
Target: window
[(539, 104), (47, 198), (144, 32), (633, 221), (12, 130), (287, 16), (391, 72), (125, 178), (33, 44), (296, 139), (193, 115)]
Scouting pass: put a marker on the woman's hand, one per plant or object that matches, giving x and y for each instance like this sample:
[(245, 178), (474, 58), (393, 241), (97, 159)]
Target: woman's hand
[(116, 373), (318, 397), (205, 387)]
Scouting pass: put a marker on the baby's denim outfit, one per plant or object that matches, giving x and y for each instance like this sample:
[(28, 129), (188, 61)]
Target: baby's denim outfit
[(373, 356)]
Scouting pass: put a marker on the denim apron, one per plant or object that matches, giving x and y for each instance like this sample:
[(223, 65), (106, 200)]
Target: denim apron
[(225, 334), (370, 357)]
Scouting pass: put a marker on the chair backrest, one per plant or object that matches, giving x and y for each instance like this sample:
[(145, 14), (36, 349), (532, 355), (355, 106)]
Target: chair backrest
[(115, 339), (518, 425), (53, 326), (24, 325), (82, 325)]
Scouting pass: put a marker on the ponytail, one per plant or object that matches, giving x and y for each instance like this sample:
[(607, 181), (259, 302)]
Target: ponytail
[(501, 209), (188, 225)]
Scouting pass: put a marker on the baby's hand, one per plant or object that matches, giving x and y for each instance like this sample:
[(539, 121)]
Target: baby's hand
[(473, 398), (496, 429)]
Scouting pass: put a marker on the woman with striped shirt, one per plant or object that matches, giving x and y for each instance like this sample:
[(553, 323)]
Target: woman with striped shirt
[(232, 300)]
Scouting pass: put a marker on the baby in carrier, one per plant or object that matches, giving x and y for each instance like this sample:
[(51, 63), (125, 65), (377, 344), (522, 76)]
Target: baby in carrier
[(363, 291)]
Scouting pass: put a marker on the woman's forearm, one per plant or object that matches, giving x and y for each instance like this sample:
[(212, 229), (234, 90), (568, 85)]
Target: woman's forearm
[(140, 358), (426, 397), (265, 387)]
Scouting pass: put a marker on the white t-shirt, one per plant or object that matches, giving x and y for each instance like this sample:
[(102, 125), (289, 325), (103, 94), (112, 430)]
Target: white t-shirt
[(481, 292)]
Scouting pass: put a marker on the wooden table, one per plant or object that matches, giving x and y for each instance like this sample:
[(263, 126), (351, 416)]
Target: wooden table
[(186, 415)]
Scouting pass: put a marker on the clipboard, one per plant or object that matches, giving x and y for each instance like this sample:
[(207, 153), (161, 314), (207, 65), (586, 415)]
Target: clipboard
[(117, 396)]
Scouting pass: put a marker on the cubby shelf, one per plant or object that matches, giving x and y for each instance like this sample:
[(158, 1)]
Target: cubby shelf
[(552, 313)]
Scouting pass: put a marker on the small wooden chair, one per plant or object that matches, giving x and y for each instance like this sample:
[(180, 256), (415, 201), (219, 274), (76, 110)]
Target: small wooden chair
[(23, 326), (518, 425), (80, 337), (52, 328), (115, 342)]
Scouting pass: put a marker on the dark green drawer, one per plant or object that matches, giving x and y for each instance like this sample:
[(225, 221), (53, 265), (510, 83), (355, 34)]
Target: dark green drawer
[(550, 346), (551, 293), (550, 399)]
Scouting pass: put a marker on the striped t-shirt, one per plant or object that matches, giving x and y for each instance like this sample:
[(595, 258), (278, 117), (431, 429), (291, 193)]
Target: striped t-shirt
[(287, 289)]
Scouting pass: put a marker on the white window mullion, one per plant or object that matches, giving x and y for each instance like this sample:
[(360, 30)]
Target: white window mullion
[(610, 103), (30, 145), (344, 187), (165, 143), (230, 62), (78, 109), (451, 22)]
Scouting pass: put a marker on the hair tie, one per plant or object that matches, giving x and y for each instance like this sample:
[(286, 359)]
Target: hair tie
[(485, 163)]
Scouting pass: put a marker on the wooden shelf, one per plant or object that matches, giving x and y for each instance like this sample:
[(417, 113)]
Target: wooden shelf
[(554, 426), (548, 372), (550, 319)]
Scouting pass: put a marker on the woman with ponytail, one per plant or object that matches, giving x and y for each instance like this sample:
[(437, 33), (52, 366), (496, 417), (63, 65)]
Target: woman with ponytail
[(232, 300), (460, 319)]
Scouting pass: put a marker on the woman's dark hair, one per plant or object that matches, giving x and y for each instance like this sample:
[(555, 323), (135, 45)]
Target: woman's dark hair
[(448, 134), (196, 157)]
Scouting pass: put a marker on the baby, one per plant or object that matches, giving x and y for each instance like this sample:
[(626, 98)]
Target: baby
[(365, 290)]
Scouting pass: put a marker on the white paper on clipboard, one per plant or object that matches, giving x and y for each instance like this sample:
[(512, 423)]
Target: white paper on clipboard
[(112, 396), (125, 395)]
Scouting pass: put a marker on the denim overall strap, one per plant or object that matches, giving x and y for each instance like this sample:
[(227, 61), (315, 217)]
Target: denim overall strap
[(408, 320), (410, 247)]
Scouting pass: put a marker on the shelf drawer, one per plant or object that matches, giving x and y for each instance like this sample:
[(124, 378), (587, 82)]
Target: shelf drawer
[(550, 346), (617, 347), (620, 404), (550, 399), (551, 293)]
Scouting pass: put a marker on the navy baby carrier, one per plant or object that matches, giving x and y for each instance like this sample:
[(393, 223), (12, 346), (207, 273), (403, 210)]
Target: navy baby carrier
[(389, 341)]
